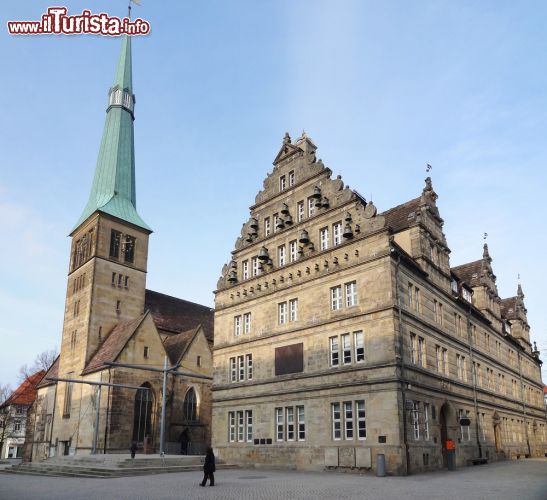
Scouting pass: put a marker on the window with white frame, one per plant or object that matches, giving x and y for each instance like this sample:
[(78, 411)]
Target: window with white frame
[(267, 226), (231, 426), (359, 346), (334, 348), (324, 238), (416, 419), (293, 309), (245, 268), (311, 206), (282, 183), (426, 421), (464, 429), (336, 298), (275, 221), (255, 265), (291, 178), (249, 362), (237, 326), (300, 211), (282, 312), (290, 423), (240, 426), (233, 370), (336, 417), (351, 294), (241, 368), (413, 348), (293, 251), (421, 353), (361, 420), (247, 322), (281, 255), (348, 419), (337, 233), (346, 348)]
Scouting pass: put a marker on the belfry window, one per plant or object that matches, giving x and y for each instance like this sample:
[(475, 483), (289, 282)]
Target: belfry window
[(129, 249), (115, 241)]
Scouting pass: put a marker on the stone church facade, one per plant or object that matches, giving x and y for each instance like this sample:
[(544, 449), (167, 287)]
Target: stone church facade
[(342, 333), (110, 316)]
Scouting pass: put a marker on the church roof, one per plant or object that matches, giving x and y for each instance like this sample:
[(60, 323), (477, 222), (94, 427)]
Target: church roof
[(113, 190), (176, 345), (178, 315), (52, 372), (25, 394), (113, 344), (402, 216)]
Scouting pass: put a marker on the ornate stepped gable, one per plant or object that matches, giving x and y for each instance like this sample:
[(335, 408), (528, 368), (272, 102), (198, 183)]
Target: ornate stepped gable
[(306, 177)]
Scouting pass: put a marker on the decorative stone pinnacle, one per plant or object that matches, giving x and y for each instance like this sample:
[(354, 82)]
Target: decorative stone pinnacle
[(287, 138)]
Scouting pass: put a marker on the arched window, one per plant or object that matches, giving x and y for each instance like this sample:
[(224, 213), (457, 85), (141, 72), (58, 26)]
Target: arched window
[(190, 409), (142, 415)]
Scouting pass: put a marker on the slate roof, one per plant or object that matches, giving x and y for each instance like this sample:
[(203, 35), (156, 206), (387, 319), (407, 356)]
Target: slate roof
[(469, 273), (402, 216), (178, 315), (25, 394), (176, 345), (508, 308), (52, 372), (113, 344)]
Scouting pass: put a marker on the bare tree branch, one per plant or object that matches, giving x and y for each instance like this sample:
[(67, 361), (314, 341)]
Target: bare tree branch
[(42, 361)]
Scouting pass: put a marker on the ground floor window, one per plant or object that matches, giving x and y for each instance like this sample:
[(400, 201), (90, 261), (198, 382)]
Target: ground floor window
[(240, 426), (348, 419), (290, 423)]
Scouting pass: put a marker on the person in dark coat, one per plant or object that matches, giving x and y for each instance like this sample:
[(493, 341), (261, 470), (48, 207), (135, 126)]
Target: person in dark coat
[(133, 449), (209, 468), (184, 440)]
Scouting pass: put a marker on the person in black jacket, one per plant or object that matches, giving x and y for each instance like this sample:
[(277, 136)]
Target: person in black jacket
[(209, 468)]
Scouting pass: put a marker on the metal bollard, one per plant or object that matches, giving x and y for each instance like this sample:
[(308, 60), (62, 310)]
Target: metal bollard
[(380, 465)]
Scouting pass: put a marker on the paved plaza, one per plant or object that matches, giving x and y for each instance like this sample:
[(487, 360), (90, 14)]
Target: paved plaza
[(522, 480)]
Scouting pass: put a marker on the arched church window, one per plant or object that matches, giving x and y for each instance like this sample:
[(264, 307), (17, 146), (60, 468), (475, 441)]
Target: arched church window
[(142, 415), (190, 408)]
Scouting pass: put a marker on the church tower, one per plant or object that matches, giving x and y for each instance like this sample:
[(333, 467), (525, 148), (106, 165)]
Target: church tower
[(108, 259)]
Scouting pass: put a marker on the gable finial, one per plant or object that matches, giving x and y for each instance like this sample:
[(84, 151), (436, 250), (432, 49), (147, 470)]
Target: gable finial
[(287, 138)]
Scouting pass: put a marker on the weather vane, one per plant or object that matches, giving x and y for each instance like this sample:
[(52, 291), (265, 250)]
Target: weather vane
[(428, 167), (485, 236), (136, 2)]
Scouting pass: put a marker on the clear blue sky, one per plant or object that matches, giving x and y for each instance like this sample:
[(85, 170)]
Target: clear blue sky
[(382, 88)]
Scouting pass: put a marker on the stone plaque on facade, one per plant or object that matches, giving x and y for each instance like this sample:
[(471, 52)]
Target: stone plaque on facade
[(363, 458), (346, 457), (331, 457)]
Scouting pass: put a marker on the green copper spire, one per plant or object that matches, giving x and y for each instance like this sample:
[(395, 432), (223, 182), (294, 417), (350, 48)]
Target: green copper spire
[(113, 190)]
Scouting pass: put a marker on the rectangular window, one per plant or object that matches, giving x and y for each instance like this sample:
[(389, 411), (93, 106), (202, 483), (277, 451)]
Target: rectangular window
[(334, 351), (336, 421), (337, 233), (233, 370), (300, 211), (440, 314), (301, 421), (435, 312), (293, 309), (293, 251), (290, 423), (336, 298), (240, 426), (464, 429), (126, 285), (279, 424), (68, 398), (249, 358), (351, 294), (120, 280), (282, 183), (267, 226), (348, 420), (281, 255), (249, 421), (129, 249), (146, 351), (231, 426), (324, 238), (459, 366), (416, 419), (410, 295), (413, 348), (346, 349), (245, 267), (291, 178), (115, 243), (426, 421), (114, 279), (361, 422), (241, 368), (359, 346), (282, 307), (417, 299), (255, 264), (311, 206), (275, 222), (247, 322), (445, 362), (421, 352), (237, 326)]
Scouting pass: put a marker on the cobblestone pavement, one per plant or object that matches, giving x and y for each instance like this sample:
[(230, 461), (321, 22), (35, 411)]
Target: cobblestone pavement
[(517, 480)]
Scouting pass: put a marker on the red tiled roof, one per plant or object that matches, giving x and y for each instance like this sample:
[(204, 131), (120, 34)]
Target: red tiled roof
[(176, 345), (545, 389), (508, 308), (52, 372), (402, 216), (113, 344), (178, 315), (469, 273), (25, 394)]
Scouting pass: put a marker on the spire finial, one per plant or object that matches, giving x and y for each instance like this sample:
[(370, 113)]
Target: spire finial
[(428, 167), (287, 138)]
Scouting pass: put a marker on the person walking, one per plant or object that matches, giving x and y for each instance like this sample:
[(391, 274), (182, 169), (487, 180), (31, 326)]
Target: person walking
[(209, 468), (133, 449)]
